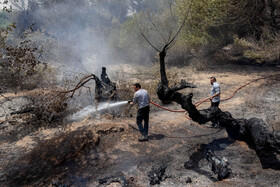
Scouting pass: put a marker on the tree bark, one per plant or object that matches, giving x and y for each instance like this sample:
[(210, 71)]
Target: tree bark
[(162, 56), (163, 91)]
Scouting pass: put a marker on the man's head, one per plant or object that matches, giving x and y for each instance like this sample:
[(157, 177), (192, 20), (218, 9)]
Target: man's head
[(212, 80), (136, 87)]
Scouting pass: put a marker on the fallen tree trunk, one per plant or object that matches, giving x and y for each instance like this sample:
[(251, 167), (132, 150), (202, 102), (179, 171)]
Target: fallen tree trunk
[(253, 131)]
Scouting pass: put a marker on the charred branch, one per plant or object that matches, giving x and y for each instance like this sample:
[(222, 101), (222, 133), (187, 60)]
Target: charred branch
[(104, 88), (219, 166), (165, 94), (156, 175)]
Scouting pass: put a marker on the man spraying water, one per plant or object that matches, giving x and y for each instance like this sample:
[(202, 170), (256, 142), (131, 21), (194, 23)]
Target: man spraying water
[(142, 99)]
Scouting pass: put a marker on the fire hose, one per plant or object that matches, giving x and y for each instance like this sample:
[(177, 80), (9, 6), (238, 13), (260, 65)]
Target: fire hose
[(208, 99)]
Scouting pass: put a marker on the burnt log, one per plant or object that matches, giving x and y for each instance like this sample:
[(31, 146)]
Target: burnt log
[(156, 175), (253, 131), (219, 166)]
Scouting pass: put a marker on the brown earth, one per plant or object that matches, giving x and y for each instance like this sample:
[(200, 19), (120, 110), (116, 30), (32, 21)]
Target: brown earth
[(81, 153)]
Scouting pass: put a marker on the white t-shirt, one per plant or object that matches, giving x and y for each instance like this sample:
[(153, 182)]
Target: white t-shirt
[(141, 97), (215, 89)]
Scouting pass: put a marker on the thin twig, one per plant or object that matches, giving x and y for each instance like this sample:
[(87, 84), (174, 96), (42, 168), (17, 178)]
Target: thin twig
[(182, 25), (149, 42)]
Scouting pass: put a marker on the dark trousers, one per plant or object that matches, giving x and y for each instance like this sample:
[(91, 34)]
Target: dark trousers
[(143, 114), (216, 104)]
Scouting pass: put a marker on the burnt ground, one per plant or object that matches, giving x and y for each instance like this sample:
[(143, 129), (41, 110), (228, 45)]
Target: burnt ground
[(174, 145), (106, 152)]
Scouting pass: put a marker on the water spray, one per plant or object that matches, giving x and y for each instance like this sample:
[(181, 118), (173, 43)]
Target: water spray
[(91, 109)]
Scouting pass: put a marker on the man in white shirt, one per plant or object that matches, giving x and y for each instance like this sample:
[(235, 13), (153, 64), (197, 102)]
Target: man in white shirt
[(215, 97), (215, 92), (142, 99)]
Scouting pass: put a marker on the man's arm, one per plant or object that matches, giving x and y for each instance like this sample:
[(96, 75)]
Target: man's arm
[(134, 100)]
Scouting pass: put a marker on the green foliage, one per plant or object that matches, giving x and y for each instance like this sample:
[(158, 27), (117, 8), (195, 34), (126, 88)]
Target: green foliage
[(131, 31), (157, 23), (260, 51), (204, 19)]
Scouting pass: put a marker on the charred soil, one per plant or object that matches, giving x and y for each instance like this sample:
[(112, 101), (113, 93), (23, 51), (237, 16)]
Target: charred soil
[(106, 151)]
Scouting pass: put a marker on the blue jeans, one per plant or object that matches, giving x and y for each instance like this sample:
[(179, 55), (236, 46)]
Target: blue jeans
[(143, 114)]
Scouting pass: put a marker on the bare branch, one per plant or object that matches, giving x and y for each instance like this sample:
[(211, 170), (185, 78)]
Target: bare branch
[(21, 5), (182, 25), (150, 42), (80, 84), (156, 29), (171, 12), (170, 34)]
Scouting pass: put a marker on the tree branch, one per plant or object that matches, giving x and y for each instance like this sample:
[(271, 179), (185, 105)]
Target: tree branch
[(182, 25), (150, 42)]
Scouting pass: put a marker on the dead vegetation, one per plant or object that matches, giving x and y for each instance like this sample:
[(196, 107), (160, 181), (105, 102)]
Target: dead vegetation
[(20, 67), (48, 154)]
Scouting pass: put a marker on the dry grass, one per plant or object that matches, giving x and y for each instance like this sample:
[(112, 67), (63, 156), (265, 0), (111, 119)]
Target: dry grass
[(263, 51)]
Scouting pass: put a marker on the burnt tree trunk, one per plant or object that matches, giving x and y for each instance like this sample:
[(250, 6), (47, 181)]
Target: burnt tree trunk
[(105, 89), (163, 91), (164, 80), (253, 131)]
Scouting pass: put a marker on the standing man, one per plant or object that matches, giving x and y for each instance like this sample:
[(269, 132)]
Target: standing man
[(215, 92), (142, 99), (215, 98)]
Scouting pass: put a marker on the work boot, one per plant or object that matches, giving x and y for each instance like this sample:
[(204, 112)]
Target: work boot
[(143, 138)]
